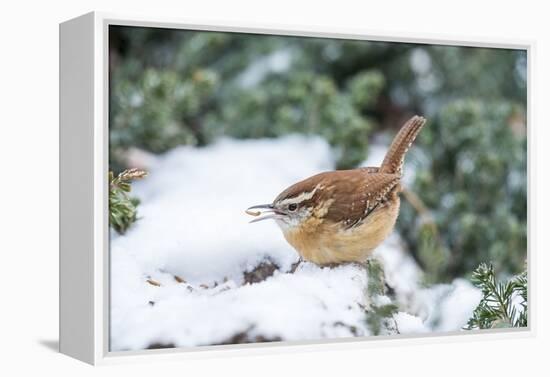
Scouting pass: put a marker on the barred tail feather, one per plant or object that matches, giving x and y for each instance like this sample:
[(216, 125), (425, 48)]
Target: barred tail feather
[(393, 162)]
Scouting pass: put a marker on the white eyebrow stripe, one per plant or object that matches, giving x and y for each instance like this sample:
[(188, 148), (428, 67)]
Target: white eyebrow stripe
[(300, 198)]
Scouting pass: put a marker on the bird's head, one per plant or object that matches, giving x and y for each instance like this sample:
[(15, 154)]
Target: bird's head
[(291, 207)]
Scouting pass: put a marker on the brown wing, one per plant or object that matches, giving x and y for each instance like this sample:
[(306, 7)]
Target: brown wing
[(370, 169), (357, 195)]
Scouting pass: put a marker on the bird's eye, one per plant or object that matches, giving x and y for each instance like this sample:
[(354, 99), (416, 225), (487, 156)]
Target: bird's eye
[(292, 207)]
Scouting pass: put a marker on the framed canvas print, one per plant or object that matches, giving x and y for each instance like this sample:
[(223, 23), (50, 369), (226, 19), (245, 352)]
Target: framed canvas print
[(234, 189)]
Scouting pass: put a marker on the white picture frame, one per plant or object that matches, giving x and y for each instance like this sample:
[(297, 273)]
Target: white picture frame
[(84, 234)]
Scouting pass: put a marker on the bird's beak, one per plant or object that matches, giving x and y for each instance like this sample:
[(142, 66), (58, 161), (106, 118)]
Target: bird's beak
[(263, 209)]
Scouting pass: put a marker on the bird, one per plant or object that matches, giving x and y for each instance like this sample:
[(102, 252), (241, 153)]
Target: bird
[(342, 216)]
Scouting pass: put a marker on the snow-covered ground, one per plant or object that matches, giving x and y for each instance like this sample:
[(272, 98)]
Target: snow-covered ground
[(192, 271)]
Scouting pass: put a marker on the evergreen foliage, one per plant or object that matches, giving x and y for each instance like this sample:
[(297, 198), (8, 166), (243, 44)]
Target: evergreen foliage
[(474, 184), (122, 207), (379, 315), (498, 307), (190, 94)]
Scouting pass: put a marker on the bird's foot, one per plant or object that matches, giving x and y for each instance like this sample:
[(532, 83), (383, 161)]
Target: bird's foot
[(295, 265)]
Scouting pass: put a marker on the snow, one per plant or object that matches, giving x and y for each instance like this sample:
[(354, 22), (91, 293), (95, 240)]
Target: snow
[(277, 62), (193, 228), (308, 304), (442, 307), (409, 324), (193, 204)]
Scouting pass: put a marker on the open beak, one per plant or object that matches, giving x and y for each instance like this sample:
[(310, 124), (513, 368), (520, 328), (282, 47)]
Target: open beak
[(267, 210)]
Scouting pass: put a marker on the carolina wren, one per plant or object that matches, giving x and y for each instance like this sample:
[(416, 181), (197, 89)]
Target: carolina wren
[(343, 215)]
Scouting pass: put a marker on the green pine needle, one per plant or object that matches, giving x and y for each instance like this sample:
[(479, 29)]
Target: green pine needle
[(122, 207), (497, 309)]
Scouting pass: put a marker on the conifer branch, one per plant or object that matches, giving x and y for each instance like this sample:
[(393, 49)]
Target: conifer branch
[(499, 305), (122, 207)]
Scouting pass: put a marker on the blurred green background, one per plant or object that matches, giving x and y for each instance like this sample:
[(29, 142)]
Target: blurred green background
[(173, 87)]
